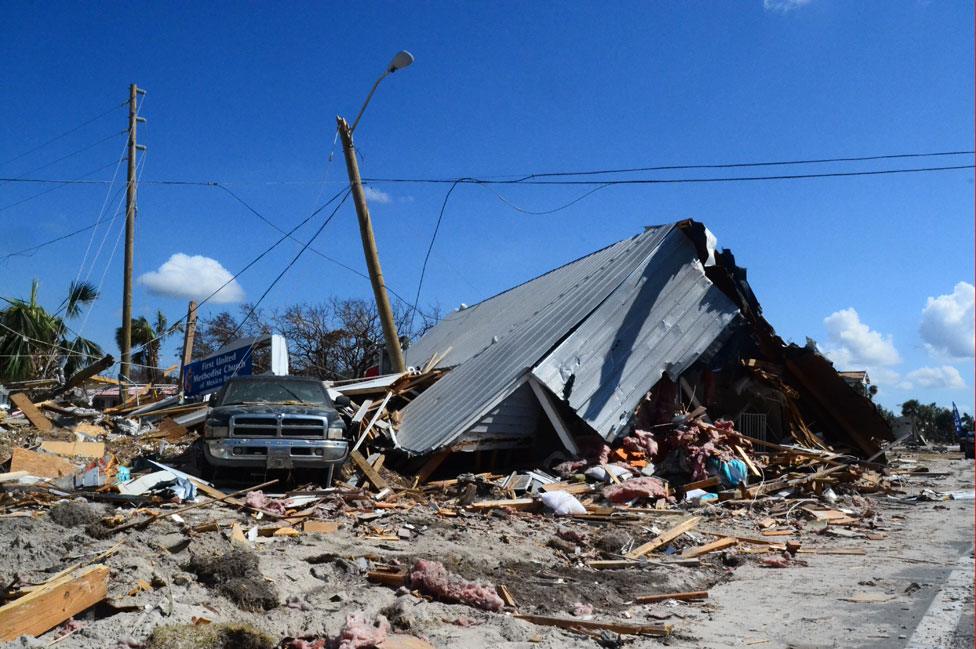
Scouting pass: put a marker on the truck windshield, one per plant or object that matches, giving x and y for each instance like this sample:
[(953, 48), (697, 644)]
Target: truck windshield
[(304, 392)]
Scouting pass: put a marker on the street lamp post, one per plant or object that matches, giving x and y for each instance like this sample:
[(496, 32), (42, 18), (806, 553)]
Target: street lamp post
[(400, 61)]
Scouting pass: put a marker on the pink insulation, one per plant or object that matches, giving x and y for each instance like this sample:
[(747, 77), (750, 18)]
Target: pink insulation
[(582, 610), (650, 488), (258, 500), (641, 440), (432, 578), (359, 633)]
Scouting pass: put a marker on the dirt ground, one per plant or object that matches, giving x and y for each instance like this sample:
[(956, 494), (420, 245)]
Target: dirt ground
[(305, 586)]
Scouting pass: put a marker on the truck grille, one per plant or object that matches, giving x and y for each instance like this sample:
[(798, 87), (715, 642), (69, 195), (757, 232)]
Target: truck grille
[(277, 426)]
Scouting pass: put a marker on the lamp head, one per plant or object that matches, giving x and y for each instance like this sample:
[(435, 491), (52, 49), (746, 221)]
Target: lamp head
[(402, 59)]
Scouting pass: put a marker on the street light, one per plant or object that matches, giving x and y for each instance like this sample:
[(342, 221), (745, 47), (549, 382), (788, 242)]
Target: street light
[(400, 61)]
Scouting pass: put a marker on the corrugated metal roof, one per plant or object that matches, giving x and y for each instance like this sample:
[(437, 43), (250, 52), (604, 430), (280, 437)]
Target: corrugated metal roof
[(660, 320), (507, 335)]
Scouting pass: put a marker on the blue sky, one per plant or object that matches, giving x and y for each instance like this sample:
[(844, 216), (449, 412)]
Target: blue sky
[(879, 270)]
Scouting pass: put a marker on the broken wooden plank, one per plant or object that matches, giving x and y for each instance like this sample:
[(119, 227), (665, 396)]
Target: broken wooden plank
[(569, 487), (431, 465), (34, 416), (11, 476), (313, 526), (664, 537), (361, 413), (41, 465), (748, 461), (81, 376), (714, 546), (505, 595), (512, 503), (549, 408), (714, 481), (74, 449), (615, 627), (368, 471), (48, 606), (392, 578), (89, 430), (681, 597)]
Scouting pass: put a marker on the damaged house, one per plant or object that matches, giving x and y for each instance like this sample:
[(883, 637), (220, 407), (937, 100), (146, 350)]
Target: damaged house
[(622, 338)]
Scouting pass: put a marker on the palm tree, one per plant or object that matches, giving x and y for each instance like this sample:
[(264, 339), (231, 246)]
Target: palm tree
[(147, 339), (33, 342)]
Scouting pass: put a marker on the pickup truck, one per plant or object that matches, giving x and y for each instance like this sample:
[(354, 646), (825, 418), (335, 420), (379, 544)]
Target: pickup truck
[(274, 422)]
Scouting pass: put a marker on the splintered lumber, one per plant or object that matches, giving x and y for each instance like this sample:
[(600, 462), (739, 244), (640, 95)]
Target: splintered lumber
[(74, 449), (714, 481), (431, 465), (664, 537), (40, 465), (82, 375), (714, 546), (505, 595), (12, 476), (217, 494), (748, 461), (569, 487), (89, 430), (392, 578), (682, 597), (54, 602), (512, 503), (371, 475), (323, 527), (615, 627), (153, 517), (34, 416)]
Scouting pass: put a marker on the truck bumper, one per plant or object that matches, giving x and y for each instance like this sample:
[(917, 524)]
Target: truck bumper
[(275, 453)]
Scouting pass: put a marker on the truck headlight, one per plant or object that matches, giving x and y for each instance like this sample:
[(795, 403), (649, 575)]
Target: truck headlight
[(336, 430), (216, 431)]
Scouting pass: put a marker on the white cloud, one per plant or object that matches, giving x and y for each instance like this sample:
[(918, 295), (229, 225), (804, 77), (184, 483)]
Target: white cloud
[(945, 377), (193, 277), (852, 345), (377, 195), (948, 323), (784, 6)]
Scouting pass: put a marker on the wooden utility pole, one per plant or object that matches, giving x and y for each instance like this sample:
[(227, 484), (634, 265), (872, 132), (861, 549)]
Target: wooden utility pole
[(190, 331), (369, 247), (130, 231)]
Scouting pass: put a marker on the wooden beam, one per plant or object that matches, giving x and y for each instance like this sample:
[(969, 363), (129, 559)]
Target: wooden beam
[(375, 478), (681, 597), (615, 627), (51, 604), (664, 537), (80, 376), (431, 465), (34, 416), (542, 394), (189, 332), (714, 546)]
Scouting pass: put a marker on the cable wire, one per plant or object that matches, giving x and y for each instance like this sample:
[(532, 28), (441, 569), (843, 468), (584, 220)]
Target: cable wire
[(66, 133), (72, 154), (58, 185)]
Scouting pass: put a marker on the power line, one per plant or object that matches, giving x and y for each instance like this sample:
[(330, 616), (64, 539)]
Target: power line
[(430, 247), (318, 252), (666, 181), (734, 165), (66, 133), (73, 153), (251, 263), (291, 263), (58, 185)]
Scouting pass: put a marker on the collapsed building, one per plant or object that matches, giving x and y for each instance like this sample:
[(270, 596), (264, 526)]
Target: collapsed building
[(618, 339)]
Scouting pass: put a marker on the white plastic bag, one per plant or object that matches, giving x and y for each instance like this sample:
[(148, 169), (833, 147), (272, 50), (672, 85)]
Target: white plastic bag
[(562, 503)]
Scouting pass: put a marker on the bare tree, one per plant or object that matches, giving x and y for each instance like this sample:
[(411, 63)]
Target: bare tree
[(335, 339)]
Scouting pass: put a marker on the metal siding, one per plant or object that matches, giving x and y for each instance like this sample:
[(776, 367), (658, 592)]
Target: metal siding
[(516, 416), (468, 332), (534, 318), (660, 320)]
